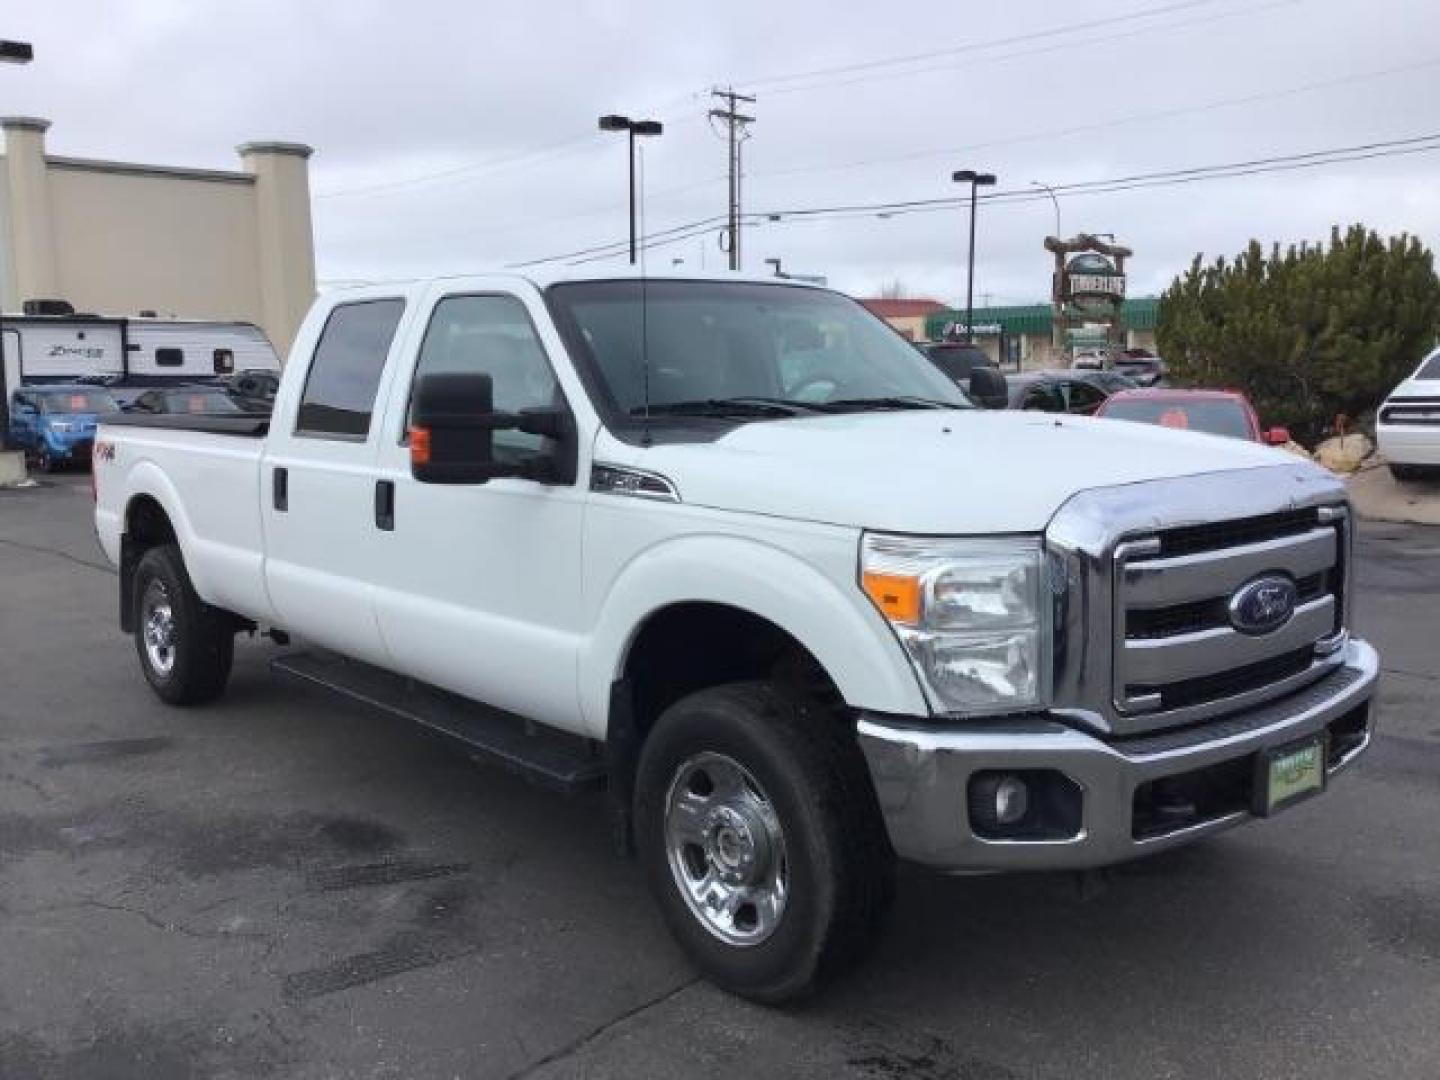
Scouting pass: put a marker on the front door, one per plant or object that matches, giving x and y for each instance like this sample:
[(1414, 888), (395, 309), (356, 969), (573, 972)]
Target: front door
[(318, 479), (478, 587)]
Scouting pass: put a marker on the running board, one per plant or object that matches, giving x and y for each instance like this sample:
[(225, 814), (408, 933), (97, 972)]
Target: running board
[(553, 759)]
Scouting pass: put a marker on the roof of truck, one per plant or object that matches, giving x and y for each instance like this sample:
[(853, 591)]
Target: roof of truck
[(543, 277)]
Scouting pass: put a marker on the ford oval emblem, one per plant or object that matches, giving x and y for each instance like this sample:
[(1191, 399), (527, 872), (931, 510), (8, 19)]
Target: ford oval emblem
[(1263, 604)]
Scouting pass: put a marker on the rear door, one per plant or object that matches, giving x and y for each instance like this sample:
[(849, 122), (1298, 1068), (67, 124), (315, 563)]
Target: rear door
[(318, 477)]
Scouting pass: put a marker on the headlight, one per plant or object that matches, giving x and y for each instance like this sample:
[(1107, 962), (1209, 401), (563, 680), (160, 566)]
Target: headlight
[(63, 427), (970, 615)]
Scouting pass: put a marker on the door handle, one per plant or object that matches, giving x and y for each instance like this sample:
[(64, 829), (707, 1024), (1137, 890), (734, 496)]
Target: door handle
[(385, 505), (280, 489)]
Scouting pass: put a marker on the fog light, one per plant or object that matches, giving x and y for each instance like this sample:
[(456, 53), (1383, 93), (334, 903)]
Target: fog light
[(998, 801), (1012, 799)]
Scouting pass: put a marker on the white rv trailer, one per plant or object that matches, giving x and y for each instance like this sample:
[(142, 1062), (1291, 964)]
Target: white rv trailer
[(126, 352)]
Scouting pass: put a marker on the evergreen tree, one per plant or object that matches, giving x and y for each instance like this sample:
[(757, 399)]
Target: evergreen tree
[(1309, 332)]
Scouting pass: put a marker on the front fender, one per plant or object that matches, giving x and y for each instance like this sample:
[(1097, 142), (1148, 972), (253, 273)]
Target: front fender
[(835, 622)]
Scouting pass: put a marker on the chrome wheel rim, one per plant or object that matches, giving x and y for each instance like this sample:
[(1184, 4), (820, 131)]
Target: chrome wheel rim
[(725, 849), (157, 628)]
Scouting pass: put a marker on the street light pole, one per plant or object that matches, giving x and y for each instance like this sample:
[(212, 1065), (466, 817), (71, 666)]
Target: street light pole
[(631, 128), (976, 180), (1054, 199)]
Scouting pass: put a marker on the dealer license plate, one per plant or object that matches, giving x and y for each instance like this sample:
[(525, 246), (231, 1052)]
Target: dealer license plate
[(1289, 773)]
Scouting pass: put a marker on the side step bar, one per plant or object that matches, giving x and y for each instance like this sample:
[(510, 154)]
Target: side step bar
[(553, 759)]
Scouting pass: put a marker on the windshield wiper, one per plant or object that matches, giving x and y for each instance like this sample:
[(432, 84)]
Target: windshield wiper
[(753, 407), (877, 404)]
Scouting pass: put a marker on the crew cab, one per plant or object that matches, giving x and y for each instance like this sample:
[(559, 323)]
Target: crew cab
[(735, 552), (1407, 427)]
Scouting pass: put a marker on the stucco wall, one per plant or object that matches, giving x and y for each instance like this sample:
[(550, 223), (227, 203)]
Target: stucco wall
[(172, 244), (117, 238)]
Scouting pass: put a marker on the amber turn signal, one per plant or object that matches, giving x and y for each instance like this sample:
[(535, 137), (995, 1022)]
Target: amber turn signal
[(419, 446), (896, 595)]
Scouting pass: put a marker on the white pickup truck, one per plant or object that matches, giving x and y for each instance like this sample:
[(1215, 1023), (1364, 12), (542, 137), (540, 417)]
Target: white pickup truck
[(736, 552)]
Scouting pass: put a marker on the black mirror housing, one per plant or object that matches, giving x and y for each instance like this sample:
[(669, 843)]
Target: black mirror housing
[(988, 388), (452, 434)]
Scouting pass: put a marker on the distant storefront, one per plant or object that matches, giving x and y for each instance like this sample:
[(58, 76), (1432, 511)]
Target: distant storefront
[(1020, 335)]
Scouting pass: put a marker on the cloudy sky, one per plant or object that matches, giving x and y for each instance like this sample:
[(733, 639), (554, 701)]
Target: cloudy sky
[(455, 136)]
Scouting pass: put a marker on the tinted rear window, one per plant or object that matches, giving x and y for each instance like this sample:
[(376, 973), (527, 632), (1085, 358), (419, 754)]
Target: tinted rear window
[(345, 373), (1211, 416)]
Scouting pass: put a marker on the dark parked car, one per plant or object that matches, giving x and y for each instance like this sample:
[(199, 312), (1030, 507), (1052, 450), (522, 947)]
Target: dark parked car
[(1078, 392), (193, 400), (957, 361), (1143, 366)]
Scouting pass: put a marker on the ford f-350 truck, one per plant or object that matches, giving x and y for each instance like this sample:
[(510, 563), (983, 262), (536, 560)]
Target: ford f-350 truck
[(736, 552)]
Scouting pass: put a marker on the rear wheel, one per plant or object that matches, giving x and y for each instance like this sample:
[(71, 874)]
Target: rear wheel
[(185, 646), (761, 839)]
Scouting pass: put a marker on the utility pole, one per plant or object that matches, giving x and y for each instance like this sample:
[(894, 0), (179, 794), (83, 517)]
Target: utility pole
[(736, 124)]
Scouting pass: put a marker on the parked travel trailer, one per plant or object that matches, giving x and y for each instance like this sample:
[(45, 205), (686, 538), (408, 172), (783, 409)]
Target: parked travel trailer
[(126, 353)]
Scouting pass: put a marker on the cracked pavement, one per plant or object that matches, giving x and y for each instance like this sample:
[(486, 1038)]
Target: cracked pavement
[(278, 886)]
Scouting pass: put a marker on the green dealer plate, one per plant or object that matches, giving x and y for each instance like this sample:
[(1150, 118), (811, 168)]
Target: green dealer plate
[(1288, 773)]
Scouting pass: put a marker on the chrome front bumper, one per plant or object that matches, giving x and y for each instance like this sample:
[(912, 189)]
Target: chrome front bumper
[(922, 773)]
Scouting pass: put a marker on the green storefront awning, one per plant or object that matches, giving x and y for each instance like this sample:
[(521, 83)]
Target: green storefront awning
[(1035, 319)]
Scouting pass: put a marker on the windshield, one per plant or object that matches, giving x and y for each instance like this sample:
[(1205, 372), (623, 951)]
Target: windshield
[(738, 349), (78, 401), (1430, 369), (1213, 416)]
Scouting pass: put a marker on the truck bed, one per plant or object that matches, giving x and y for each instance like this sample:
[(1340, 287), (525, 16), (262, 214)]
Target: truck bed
[(247, 425)]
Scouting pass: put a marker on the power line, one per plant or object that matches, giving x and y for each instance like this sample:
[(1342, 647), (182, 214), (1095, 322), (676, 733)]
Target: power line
[(1134, 118), (486, 165), (971, 47), (1258, 166), (971, 62), (618, 246), (1077, 187)]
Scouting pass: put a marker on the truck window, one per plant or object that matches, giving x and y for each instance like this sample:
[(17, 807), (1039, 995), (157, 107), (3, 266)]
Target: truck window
[(492, 334), (345, 373), (169, 357)]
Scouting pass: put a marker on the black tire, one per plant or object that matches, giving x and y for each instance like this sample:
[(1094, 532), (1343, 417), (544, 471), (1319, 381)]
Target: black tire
[(202, 640), (44, 461), (840, 867)]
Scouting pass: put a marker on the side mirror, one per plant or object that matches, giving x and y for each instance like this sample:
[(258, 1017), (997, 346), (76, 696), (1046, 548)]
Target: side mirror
[(988, 388), (452, 435), (1277, 436)]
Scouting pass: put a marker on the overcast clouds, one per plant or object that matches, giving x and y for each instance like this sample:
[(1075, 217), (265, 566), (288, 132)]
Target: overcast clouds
[(391, 93)]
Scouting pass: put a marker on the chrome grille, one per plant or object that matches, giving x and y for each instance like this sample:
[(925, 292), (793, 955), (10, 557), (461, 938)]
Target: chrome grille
[(1176, 651)]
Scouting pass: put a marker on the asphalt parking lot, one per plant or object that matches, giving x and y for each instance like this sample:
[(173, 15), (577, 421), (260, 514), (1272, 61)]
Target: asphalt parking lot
[(276, 886)]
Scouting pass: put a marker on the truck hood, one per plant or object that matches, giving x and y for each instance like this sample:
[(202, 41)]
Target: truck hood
[(937, 472)]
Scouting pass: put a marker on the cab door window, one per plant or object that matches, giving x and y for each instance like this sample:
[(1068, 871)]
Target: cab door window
[(492, 334)]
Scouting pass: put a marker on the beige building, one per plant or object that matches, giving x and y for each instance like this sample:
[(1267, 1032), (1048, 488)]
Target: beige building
[(118, 239)]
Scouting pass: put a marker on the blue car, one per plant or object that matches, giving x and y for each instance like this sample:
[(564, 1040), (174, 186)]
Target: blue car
[(55, 425)]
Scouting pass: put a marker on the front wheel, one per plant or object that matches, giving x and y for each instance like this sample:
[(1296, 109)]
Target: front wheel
[(185, 646), (761, 839)]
